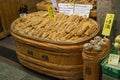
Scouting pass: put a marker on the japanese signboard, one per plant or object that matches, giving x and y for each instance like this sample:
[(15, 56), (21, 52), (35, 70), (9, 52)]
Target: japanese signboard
[(108, 24)]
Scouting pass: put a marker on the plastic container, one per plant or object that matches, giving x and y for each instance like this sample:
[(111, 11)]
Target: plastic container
[(109, 70)]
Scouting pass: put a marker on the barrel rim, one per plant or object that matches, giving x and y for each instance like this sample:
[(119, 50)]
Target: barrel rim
[(86, 38)]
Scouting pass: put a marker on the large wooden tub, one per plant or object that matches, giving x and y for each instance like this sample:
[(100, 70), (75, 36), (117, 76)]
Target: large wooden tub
[(60, 60)]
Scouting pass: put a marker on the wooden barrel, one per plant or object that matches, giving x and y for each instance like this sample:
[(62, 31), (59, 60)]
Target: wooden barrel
[(61, 60), (91, 63)]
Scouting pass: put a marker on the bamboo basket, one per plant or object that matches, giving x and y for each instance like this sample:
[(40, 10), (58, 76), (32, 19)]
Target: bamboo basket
[(91, 63), (60, 60)]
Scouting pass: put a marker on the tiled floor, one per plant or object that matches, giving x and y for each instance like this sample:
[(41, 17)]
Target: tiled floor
[(8, 42), (8, 72), (24, 69)]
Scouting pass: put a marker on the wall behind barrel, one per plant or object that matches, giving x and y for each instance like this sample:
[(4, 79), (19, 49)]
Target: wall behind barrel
[(109, 6), (116, 25), (9, 11)]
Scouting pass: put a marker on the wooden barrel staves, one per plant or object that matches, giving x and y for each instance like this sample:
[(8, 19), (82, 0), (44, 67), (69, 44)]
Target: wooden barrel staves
[(58, 59), (91, 63)]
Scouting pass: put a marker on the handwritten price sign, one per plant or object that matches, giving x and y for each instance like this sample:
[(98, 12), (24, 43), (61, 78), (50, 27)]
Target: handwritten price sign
[(108, 24), (51, 13)]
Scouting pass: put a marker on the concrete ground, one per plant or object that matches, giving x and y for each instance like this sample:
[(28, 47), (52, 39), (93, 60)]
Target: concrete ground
[(10, 70), (12, 67)]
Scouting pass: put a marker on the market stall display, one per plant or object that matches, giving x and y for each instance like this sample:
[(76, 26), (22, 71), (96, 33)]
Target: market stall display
[(93, 53), (53, 47)]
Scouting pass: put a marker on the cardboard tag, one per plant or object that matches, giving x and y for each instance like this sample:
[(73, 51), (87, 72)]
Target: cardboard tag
[(113, 59), (66, 8), (82, 9), (108, 24), (51, 13)]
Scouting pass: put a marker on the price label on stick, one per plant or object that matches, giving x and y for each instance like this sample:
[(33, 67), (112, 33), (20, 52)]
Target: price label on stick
[(71, 4), (113, 59), (66, 8), (108, 24), (51, 13)]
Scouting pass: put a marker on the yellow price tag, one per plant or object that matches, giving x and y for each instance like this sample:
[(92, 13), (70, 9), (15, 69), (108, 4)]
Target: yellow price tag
[(108, 24), (51, 13), (71, 4)]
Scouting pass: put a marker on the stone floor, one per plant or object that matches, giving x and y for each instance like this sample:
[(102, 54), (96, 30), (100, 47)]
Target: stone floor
[(10, 70), (8, 42)]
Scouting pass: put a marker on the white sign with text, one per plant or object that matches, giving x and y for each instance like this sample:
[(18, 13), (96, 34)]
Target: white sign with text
[(82, 9), (66, 8)]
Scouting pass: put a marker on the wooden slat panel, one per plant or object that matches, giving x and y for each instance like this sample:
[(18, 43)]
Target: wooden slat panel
[(31, 4), (9, 10), (1, 28), (2, 35)]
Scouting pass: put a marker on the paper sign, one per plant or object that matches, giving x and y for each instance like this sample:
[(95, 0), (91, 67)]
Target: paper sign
[(83, 6), (113, 59), (82, 9), (51, 13), (54, 3), (66, 8), (108, 24)]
